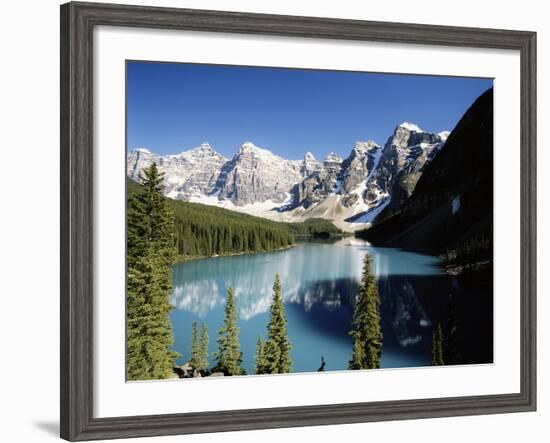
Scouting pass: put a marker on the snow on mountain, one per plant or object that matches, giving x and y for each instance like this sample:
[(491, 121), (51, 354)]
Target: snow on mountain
[(410, 127), (332, 160), (310, 164), (352, 192), (402, 160), (190, 172), (255, 175)]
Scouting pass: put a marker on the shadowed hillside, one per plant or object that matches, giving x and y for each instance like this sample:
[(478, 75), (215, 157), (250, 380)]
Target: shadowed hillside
[(452, 204)]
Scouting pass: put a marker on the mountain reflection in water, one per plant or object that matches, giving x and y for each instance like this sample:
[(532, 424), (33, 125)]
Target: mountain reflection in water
[(319, 281)]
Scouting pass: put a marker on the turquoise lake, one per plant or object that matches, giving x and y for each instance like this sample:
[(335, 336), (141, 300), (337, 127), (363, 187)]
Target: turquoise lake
[(319, 281)]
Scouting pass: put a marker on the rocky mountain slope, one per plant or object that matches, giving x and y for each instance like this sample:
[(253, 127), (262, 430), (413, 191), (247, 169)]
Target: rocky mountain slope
[(193, 172), (372, 181), (257, 175), (452, 203)]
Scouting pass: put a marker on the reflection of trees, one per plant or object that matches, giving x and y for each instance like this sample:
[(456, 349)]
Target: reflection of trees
[(200, 285), (310, 277), (253, 300), (402, 310)]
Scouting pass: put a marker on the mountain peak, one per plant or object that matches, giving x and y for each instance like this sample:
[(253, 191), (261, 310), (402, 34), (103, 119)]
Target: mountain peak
[(257, 152), (205, 146), (309, 156), (410, 126), (204, 149), (142, 150), (333, 158), (443, 135), (248, 146), (365, 146)]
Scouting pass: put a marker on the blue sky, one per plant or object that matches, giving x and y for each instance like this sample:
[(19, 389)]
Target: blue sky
[(173, 107)]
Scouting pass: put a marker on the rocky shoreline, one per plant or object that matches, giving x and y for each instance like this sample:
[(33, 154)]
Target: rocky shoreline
[(187, 371)]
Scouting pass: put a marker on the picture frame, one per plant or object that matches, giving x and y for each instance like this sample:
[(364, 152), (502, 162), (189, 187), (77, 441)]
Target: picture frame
[(78, 21)]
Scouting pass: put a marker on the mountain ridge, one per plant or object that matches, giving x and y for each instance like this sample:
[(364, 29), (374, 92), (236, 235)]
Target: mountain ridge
[(351, 191), (452, 203)]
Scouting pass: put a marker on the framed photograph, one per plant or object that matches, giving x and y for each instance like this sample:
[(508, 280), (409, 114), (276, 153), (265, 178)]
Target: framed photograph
[(272, 221)]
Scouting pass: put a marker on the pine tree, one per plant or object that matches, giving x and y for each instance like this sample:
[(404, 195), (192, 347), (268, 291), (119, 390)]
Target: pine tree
[(228, 356), (358, 356), (277, 347), (195, 346), (203, 352), (451, 350), (437, 347), (150, 254), (366, 323), (260, 366)]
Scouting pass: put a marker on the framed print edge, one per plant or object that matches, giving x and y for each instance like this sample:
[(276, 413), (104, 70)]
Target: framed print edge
[(76, 184)]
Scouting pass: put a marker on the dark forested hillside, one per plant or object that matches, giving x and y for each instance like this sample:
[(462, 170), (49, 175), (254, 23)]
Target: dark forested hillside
[(202, 230), (452, 204), (316, 228)]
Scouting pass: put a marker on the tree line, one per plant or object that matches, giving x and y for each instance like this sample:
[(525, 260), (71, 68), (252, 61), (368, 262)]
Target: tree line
[(203, 231), (474, 249), (445, 347), (315, 228)]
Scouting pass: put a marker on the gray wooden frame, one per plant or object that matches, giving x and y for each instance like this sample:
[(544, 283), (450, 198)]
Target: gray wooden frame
[(77, 23)]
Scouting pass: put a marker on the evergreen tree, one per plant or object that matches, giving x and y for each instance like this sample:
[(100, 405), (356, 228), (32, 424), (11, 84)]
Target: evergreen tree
[(366, 323), (277, 347), (150, 254), (260, 367), (195, 347), (323, 364), (201, 230), (228, 356), (437, 347), (203, 354), (358, 355), (451, 349)]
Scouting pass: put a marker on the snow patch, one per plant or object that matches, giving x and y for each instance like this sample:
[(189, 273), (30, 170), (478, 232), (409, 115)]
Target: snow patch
[(143, 150), (173, 194), (456, 204), (371, 214), (376, 157), (411, 127), (333, 158), (443, 135), (338, 186), (258, 209), (382, 199)]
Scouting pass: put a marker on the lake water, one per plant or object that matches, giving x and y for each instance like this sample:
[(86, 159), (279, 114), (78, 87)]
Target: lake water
[(319, 282)]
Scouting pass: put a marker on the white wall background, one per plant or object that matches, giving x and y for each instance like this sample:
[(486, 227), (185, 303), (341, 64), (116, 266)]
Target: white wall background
[(29, 188)]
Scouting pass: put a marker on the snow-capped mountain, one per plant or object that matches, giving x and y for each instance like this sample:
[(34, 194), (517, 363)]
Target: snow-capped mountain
[(191, 173), (255, 175), (407, 151), (351, 191)]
